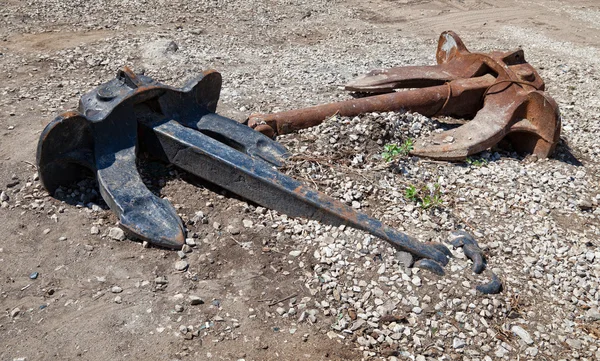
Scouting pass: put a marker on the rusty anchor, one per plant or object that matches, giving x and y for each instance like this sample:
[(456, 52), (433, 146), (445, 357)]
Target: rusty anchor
[(134, 114), (500, 91)]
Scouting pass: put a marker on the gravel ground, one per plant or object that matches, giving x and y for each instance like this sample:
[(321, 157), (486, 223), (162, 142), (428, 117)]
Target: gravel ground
[(254, 284)]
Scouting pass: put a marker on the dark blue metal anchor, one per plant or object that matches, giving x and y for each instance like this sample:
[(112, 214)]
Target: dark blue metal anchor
[(133, 114)]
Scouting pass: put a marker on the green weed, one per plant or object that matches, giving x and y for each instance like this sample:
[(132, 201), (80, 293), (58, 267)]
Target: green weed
[(425, 197), (392, 150), (476, 162)]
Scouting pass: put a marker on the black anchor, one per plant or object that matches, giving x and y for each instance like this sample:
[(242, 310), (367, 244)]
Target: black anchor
[(133, 113)]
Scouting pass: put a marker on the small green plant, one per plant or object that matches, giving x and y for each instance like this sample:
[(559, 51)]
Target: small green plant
[(476, 162), (425, 197), (393, 150), (407, 146), (411, 193)]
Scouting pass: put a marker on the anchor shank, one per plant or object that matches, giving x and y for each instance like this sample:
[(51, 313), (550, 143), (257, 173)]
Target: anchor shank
[(257, 180), (461, 97)]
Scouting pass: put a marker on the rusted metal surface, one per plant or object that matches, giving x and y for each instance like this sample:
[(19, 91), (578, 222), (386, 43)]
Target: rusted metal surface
[(133, 114), (500, 91)]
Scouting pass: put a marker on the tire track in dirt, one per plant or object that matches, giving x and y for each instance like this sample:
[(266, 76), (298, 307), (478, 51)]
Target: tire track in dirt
[(469, 19)]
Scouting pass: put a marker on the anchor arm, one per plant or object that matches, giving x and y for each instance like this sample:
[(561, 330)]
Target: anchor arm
[(140, 212)]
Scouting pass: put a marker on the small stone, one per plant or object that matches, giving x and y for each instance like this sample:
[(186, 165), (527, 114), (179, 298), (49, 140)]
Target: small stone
[(186, 249), (190, 242), (195, 300), (34, 275), (358, 324), (247, 223), (592, 315), (161, 280), (172, 47), (217, 225), (62, 239), (15, 312), (280, 311), (179, 308), (94, 230), (295, 253), (585, 204), (574, 343), (589, 256), (404, 258), (181, 254), (458, 343), (532, 351), (181, 265), (118, 300), (363, 341), (116, 289), (3, 196), (116, 233), (233, 230), (523, 335)]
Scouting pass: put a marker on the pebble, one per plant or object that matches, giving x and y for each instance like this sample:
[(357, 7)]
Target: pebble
[(190, 242), (179, 308), (181, 265), (95, 230), (161, 280), (532, 351), (523, 335), (118, 300), (195, 300), (295, 253), (15, 312), (574, 343), (458, 343), (116, 289), (405, 259), (116, 233)]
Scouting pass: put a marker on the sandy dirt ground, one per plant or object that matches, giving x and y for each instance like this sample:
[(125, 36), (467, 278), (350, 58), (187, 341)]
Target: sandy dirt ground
[(53, 52)]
